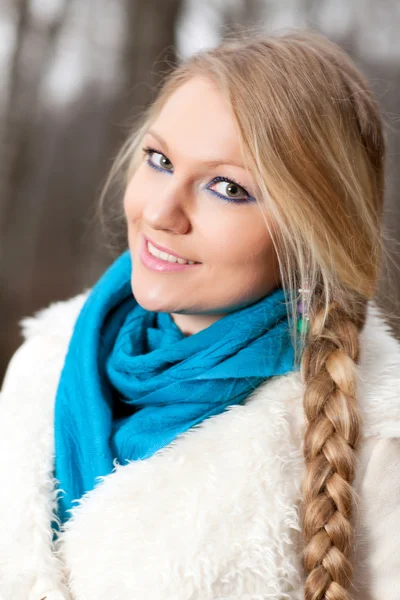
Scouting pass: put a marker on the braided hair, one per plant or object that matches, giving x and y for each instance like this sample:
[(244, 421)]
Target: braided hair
[(333, 429)]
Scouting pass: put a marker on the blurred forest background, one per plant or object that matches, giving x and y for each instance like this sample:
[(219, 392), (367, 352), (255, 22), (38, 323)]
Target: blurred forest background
[(76, 73)]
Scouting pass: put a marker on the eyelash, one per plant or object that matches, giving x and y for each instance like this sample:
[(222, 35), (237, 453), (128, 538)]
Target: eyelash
[(148, 150)]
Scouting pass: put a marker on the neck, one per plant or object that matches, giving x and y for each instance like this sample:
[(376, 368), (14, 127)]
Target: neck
[(190, 324)]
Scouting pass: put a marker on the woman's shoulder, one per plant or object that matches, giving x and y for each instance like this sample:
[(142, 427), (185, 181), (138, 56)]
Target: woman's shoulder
[(379, 375), (57, 319), (46, 334), (378, 340)]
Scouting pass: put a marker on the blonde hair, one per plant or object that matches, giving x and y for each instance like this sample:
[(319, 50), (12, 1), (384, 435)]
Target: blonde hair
[(311, 135)]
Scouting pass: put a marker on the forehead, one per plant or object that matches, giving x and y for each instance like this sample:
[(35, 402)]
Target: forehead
[(197, 119)]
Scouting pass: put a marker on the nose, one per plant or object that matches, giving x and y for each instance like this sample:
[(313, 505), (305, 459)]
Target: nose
[(167, 210)]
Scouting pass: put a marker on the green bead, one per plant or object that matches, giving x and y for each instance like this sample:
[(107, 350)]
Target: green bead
[(303, 324)]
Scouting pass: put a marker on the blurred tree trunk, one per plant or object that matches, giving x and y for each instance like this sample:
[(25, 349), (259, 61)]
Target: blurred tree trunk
[(149, 48), (18, 222)]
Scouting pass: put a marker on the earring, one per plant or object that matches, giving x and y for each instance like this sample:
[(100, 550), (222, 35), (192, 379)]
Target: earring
[(303, 322)]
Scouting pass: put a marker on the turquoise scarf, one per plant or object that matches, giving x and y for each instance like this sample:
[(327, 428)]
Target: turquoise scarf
[(132, 381)]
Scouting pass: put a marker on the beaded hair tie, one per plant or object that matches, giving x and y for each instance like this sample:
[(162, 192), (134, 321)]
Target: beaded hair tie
[(303, 322)]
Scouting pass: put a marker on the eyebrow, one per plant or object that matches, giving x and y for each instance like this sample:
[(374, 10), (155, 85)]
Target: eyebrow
[(209, 163)]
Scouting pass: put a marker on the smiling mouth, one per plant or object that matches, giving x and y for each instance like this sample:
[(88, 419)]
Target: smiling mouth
[(163, 254), (157, 260), (167, 257)]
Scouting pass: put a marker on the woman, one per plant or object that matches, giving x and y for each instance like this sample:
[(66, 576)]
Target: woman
[(218, 417)]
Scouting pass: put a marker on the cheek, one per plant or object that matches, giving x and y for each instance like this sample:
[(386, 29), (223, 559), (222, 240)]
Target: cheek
[(132, 199), (254, 258), (241, 241)]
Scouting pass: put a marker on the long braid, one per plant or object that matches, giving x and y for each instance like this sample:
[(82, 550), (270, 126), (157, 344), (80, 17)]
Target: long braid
[(332, 432)]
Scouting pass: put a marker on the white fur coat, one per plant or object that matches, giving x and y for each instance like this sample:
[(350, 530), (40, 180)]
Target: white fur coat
[(212, 516)]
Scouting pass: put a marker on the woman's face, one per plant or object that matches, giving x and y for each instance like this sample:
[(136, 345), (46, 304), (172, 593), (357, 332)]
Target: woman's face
[(183, 198)]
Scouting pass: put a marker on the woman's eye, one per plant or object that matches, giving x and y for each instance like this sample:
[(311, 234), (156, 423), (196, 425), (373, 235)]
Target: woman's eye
[(159, 160), (230, 190)]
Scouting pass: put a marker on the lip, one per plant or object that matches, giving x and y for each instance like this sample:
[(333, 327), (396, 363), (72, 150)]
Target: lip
[(157, 264), (164, 249)]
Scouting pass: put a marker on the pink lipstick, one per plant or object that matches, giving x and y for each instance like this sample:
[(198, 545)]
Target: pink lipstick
[(157, 264)]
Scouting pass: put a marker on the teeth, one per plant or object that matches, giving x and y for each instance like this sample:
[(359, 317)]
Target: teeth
[(167, 257)]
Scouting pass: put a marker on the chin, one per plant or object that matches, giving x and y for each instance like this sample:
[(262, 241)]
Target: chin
[(143, 298)]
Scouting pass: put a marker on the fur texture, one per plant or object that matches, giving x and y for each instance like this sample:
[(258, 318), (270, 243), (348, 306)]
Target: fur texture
[(212, 516)]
